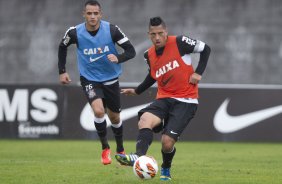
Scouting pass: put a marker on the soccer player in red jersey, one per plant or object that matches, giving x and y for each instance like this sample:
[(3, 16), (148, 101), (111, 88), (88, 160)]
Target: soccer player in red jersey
[(170, 64)]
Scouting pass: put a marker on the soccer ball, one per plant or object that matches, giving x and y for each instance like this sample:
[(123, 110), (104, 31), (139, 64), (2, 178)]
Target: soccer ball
[(145, 167)]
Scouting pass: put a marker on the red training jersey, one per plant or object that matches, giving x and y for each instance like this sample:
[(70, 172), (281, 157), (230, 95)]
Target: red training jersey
[(171, 72)]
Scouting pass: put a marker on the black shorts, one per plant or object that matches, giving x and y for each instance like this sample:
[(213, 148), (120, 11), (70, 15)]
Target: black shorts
[(175, 115), (108, 91)]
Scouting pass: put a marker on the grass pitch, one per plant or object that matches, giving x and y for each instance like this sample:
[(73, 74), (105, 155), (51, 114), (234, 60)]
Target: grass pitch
[(78, 162)]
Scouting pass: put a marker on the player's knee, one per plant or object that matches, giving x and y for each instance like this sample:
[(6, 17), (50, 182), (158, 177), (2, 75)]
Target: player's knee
[(115, 119), (144, 123), (99, 113), (113, 116), (98, 108), (167, 143)]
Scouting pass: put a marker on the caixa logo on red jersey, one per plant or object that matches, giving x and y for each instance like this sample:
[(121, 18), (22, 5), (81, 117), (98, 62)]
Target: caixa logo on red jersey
[(33, 111)]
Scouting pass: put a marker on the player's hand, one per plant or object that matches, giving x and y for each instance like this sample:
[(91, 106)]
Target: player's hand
[(195, 78), (129, 91), (112, 58), (65, 78)]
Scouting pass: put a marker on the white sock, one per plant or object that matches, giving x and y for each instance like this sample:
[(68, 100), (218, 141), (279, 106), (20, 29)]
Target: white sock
[(99, 120), (117, 125)]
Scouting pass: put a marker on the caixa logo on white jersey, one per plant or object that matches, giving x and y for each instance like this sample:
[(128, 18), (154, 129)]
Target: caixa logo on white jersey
[(33, 110)]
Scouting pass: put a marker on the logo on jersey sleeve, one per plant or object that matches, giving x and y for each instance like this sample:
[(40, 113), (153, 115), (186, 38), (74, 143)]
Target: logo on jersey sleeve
[(189, 41), (66, 40)]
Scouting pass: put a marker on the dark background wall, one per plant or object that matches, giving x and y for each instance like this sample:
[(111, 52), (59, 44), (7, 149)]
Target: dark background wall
[(245, 37), (56, 112)]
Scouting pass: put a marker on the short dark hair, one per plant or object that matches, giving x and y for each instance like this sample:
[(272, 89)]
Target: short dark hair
[(156, 21), (93, 3)]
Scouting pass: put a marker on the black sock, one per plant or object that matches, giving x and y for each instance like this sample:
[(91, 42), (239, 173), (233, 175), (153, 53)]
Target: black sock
[(167, 158), (102, 133), (118, 132), (144, 140)]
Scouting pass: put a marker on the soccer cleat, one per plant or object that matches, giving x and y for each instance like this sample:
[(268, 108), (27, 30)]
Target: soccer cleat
[(165, 174), (127, 160), (106, 156)]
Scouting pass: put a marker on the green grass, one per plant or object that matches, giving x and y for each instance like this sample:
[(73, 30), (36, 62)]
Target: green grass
[(78, 162)]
